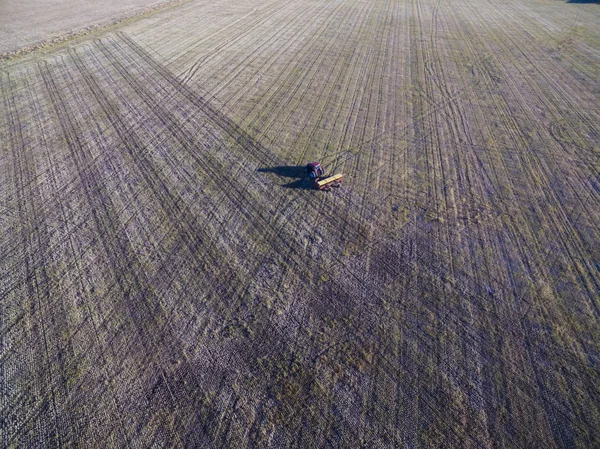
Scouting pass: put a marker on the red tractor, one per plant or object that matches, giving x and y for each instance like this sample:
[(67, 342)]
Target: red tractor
[(317, 176), (314, 170)]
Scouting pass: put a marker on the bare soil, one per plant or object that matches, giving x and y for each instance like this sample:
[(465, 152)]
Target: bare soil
[(168, 279)]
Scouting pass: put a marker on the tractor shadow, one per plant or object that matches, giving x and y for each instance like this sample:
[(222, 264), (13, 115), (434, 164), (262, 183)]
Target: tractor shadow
[(290, 171)]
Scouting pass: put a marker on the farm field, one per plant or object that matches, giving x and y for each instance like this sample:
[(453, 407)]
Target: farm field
[(168, 280)]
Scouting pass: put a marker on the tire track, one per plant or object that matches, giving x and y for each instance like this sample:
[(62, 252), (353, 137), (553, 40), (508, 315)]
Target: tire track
[(507, 114), (71, 231), (275, 52), (219, 48), (104, 219), (279, 97), (259, 154), (535, 166), (36, 284)]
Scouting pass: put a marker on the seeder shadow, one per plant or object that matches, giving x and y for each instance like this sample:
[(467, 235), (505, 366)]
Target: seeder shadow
[(290, 171)]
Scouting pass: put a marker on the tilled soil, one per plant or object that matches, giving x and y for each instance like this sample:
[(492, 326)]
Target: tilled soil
[(169, 279)]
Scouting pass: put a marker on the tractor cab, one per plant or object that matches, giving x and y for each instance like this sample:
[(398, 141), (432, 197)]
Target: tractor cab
[(314, 170)]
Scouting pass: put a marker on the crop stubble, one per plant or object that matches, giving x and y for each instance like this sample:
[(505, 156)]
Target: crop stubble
[(158, 288)]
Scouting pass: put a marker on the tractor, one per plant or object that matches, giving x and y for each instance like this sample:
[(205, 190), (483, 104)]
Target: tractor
[(317, 176)]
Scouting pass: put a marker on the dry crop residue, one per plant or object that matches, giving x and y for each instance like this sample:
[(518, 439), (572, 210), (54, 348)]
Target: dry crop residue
[(167, 279)]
